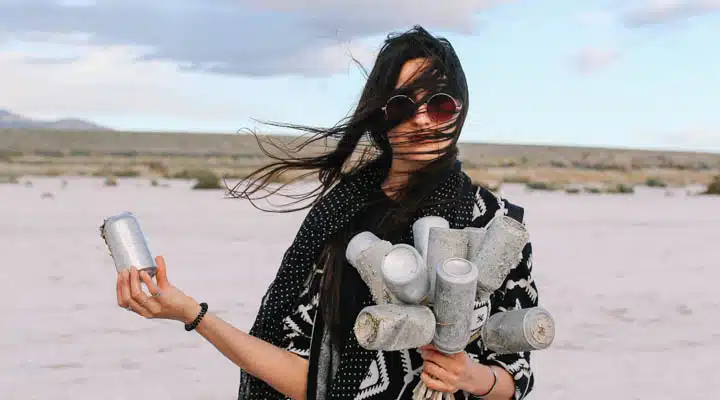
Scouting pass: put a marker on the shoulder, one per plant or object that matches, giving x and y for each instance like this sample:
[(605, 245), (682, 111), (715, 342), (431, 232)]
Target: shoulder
[(488, 204)]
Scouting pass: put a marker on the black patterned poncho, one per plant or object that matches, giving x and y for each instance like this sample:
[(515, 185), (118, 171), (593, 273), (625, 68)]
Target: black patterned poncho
[(289, 315)]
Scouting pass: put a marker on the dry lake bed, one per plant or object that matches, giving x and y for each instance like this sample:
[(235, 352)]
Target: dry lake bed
[(632, 281)]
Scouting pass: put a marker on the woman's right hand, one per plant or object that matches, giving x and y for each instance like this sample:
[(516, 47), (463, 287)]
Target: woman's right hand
[(165, 300)]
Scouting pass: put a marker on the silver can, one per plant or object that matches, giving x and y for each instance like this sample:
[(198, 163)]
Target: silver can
[(519, 330), (454, 302), (404, 273), (127, 244)]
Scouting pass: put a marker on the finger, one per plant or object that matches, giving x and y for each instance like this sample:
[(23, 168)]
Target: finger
[(138, 298), (135, 288), (153, 303), (126, 297), (429, 346), (440, 373), (433, 383), (124, 284), (431, 349), (147, 280), (118, 288), (434, 356), (162, 279)]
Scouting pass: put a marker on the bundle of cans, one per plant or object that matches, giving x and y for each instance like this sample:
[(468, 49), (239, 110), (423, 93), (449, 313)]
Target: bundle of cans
[(426, 293)]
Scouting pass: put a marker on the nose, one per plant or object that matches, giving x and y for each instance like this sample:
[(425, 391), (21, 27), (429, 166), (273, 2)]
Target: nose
[(422, 118)]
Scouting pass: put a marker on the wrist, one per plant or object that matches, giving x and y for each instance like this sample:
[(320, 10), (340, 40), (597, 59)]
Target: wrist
[(190, 311), (483, 380)]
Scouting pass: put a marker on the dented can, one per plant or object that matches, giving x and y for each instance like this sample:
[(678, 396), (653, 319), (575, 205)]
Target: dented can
[(127, 244)]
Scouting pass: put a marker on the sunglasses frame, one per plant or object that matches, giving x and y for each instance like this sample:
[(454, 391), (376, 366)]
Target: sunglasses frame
[(458, 106)]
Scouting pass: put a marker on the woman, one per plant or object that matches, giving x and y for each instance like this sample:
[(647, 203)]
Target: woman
[(395, 161)]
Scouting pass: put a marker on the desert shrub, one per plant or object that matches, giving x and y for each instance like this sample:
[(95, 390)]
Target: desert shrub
[(620, 188), (572, 190), (206, 179), (157, 167), (11, 179), (655, 183), (53, 172), (517, 178), (129, 153), (7, 156), (560, 163), (111, 181), (184, 175), (124, 173), (508, 163), (534, 185), (49, 153), (714, 186)]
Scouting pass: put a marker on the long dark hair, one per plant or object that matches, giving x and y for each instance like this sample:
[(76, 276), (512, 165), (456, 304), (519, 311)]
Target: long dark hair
[(362, 139)]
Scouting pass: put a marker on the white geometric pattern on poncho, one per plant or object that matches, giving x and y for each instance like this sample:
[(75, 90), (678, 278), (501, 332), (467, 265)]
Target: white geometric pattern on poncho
[(376, 381)]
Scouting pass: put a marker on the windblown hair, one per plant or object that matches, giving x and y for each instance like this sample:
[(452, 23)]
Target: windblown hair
[(361, 139)]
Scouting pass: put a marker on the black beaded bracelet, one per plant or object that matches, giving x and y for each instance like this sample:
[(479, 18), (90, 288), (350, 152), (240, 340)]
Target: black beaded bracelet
[(194, 324)]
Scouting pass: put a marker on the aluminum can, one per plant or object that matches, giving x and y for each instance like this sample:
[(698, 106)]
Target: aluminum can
[(127, 244)]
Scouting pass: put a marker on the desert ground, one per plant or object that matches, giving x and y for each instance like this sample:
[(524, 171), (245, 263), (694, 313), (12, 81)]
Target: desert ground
[(625, 259), (630, 280)]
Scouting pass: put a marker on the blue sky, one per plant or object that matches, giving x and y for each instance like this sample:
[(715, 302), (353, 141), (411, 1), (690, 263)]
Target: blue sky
[(606, 73)]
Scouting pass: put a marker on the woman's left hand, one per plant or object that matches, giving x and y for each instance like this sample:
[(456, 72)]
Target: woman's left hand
[(445, 373)]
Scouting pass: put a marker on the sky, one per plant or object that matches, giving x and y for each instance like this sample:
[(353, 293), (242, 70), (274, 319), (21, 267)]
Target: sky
[(612, 73)]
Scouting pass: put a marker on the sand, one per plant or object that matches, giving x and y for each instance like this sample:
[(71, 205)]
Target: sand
[(630, 280)]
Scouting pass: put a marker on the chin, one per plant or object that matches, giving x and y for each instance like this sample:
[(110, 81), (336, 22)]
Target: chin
[(420, 157)]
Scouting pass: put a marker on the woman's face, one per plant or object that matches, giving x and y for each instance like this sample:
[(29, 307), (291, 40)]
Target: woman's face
[(405, 138)]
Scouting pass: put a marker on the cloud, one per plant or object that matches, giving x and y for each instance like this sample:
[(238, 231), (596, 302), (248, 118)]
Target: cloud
[(652, 12), (592, 59), (239, 37), (102, 81), (666, 11), (187, 59)]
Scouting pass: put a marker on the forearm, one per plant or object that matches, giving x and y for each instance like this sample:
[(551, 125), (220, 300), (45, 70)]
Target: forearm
[(482, 382), (281, 369)]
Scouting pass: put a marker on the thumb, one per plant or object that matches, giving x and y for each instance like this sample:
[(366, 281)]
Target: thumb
[(161, 275)]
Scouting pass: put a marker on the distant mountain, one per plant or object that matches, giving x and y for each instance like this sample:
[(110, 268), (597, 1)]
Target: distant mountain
[(11, 120)]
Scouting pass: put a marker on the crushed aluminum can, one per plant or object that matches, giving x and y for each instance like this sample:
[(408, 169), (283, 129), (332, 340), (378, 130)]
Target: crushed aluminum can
[(127, 244)]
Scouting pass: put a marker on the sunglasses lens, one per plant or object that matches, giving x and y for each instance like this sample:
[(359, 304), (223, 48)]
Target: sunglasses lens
[(441, 108), (399, 108)]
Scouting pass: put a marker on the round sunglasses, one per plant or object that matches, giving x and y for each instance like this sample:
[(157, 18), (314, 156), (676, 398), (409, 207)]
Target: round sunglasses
[(441, 107)]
